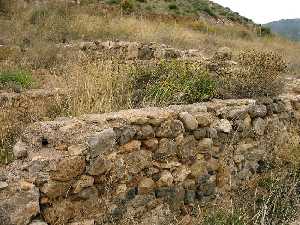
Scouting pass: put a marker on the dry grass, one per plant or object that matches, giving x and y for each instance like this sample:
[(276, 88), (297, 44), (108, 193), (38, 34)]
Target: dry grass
[(96, 87), (101, 86)]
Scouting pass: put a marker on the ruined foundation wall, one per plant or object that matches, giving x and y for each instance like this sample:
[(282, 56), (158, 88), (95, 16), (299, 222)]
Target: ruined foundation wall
[(143, 165)]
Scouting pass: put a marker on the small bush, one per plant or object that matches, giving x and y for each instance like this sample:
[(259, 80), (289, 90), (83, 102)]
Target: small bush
[(258, 74), (172, 82), (224, 218), (18, 77), (173, 6)]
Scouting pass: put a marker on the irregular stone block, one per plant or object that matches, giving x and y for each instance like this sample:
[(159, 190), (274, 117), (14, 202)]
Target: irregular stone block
[(223, 125), (150, 144), (68, 168), (189, 121), (99, 166), (258, 111), (54, 189), (136, 161), (125, 134), (259, 126), (19, 207), (83, 182), (165, 180), (170, 129), (102, 143), (146, 185), (145, 132), (20, 150)]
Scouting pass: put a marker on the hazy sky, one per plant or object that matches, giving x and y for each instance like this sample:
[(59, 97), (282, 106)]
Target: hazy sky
[(263, 11)]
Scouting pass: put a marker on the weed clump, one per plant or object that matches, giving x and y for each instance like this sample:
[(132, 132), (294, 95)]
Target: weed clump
[(171, 82), (19, 78), (221, 217)]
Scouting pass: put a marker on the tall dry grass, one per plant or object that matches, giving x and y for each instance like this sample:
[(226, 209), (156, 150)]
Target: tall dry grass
[(97, 87), (102, 86)]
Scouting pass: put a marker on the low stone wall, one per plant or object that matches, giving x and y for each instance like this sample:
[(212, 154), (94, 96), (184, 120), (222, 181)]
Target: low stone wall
[(132, 50), (150, 166)]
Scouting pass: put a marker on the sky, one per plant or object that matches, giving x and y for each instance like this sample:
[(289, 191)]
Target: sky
[(264, 11)]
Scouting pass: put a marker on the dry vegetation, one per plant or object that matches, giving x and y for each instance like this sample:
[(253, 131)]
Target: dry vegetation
[(31, 35)]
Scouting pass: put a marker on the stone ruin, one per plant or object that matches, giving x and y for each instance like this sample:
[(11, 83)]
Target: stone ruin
[(125, 50), (147, 166)]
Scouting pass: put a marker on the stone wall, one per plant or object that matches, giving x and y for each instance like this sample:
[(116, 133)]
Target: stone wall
[(125, 50), (148, 166)]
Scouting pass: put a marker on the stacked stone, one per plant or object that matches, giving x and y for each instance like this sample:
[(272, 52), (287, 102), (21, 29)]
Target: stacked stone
[(133, 50), (102, 169)]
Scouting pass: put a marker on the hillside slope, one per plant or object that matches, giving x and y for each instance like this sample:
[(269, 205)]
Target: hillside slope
[(194, 8), (289, 28)]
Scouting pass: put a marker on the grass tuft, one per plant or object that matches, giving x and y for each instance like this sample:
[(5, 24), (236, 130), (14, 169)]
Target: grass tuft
[(20, 78)]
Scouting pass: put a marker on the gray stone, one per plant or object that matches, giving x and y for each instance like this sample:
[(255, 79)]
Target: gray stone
[(68, 168), (99, 166), (139, 160), (20, 150), (205, 144), (54, 189), (259, 126), (224, 126), (170, 129), (258, 111), (84, 182), (146, 185), (103, 142), (145, 132), (84, 222), (200, 133), (204, 119), (189, 121), (17, 207), (125, 134), (166, 148), (88, 193), (166, 179), (38, 222), (150, 144), (190, 197), (3, 185), (212, 133)]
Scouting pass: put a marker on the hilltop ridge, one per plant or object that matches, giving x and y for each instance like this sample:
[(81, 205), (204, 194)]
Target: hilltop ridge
[(289, 28)]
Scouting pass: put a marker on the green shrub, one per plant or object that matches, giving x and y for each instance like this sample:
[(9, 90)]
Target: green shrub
[(172, 82), (17, 77), (224, 218), (258, 74), (173, 6), (111, 2)]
